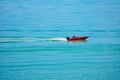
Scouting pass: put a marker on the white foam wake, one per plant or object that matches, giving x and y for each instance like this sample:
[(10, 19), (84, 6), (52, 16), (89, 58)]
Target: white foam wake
[(57, 39), (31, 39)]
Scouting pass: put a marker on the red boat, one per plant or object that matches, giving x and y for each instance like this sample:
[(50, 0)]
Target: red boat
[(74, 38)]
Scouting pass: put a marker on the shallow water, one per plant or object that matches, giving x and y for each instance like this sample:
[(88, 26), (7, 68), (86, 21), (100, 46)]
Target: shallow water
[(33, 42)]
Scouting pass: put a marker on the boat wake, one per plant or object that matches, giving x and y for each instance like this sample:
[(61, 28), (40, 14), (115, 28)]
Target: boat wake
[(3, 40)]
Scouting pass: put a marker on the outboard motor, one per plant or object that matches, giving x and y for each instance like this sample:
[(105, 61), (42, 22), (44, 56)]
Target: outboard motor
[(67, 38)]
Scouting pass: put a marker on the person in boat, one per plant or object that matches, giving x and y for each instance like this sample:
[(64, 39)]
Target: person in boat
[(73, 36)]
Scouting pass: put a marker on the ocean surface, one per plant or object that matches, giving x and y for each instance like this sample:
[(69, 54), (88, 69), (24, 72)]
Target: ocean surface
[(33, 43)]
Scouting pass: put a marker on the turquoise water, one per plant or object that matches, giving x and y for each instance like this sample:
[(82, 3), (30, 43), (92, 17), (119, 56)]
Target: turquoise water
[(33, 44)]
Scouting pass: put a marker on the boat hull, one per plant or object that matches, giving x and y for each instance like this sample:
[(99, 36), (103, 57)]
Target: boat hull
[(78, 38)]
